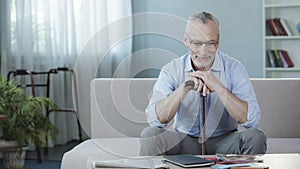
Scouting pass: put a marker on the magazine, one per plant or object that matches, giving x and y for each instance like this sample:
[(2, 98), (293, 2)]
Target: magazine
[(238, 158), (138, 162)]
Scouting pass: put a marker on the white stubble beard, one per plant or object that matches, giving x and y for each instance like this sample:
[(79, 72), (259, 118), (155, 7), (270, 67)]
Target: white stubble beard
[(200, 65)]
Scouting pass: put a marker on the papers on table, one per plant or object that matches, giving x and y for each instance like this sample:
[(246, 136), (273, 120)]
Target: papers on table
[(238, 158), (138, 162)]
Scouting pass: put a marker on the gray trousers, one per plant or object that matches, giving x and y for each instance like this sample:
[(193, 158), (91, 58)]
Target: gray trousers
[(159, 141)]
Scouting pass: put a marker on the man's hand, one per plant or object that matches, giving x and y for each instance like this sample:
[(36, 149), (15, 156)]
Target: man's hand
[(204, 82), (238, 109)]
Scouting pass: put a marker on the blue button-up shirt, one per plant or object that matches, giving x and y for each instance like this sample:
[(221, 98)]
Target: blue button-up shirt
[(232, 74)]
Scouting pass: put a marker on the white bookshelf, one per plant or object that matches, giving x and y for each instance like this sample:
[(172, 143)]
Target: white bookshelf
[(282, 37), (290, 11), (284, 5)]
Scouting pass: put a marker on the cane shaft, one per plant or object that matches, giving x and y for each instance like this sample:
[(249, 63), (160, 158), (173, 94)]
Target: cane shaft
[(203, 126)]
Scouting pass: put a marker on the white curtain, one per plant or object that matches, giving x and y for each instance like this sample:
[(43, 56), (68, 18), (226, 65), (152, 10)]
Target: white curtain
[(39, 35), (103, 48)]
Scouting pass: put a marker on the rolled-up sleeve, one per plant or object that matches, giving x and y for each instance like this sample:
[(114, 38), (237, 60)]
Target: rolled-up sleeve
[(243, 89), (253, 116), (163, 87)]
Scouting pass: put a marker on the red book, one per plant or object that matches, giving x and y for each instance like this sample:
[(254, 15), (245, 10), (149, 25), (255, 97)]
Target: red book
[(287, 58), (279, 25), (272, 26)]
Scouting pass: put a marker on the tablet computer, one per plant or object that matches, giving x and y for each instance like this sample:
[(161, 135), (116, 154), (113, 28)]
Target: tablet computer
[(188, 160)]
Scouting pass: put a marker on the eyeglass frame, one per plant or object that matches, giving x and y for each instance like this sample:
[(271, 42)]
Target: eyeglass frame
[(213, 43)]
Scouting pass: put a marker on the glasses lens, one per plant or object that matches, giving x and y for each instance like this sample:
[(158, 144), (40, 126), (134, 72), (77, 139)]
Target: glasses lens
[(210, 44), (197, 45)]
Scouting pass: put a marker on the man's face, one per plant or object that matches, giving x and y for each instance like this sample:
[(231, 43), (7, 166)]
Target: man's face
[(202, 41)]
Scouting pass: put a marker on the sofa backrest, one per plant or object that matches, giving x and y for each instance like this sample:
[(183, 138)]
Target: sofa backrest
[(279, 101), (118, 105)]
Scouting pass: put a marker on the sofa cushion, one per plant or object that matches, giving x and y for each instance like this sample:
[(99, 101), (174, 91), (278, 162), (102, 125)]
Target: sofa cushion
[(80, 156)]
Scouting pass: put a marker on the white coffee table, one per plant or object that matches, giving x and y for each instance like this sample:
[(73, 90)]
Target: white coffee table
[(273, 161)]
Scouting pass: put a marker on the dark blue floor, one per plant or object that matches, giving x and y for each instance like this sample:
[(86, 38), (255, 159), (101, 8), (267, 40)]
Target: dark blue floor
[(32, 164)]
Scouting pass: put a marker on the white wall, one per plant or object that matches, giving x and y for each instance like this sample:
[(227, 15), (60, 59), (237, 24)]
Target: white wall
[(241, 31)]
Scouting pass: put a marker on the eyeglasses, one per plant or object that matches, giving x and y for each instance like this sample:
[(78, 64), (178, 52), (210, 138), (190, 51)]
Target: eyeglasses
[(195, 44)]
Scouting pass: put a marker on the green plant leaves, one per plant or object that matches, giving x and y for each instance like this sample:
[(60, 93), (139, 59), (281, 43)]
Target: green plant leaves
[(26, 119)]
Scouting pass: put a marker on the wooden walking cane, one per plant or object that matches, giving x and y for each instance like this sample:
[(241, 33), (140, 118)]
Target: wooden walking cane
[(192, 84)]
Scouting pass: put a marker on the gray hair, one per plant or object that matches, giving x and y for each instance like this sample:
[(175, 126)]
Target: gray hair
[(202, 17)]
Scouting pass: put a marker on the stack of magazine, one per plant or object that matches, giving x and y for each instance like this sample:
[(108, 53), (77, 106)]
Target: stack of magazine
[(226, 161), (238, 158)]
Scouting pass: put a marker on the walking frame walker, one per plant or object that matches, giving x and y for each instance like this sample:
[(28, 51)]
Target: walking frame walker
[(32, 85)]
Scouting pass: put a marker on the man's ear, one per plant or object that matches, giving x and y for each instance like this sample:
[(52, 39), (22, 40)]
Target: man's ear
[(185, 40), (218, 44)]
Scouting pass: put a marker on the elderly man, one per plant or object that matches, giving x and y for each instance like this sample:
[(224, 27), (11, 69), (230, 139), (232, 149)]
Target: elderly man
[(230, 100)]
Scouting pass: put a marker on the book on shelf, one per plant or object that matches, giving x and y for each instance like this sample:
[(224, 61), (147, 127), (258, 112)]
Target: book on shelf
[(286, 27), (287, 58), (278, 27), (270, 59), (278, 58), (284, 61), (272, 27), (282, 30)]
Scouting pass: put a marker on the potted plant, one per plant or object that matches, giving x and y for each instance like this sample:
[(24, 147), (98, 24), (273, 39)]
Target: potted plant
[(22, 119)]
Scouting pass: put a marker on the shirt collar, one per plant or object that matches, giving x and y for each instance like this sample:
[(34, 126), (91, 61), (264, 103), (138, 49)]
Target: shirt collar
[(188, 64), (217, 65)]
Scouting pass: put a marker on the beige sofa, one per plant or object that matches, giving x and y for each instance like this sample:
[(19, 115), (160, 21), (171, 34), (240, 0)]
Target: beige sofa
[(117, 118)]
